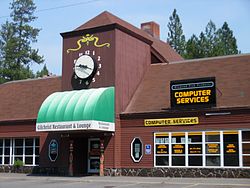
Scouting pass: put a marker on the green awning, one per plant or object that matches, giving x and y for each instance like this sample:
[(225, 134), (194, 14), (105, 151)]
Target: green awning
[(91, 109)]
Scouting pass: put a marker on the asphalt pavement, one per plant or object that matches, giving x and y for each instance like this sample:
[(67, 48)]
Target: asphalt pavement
[(12, 180)]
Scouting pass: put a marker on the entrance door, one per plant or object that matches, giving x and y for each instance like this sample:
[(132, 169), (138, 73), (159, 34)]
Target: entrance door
[(93, 155)]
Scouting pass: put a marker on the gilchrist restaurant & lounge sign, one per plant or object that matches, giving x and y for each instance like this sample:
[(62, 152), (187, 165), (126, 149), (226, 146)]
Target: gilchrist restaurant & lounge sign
[(193, 93)]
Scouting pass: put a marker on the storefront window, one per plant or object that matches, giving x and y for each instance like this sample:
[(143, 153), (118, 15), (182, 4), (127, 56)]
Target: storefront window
[(178, 149), (26, 150), (231, 148), (201, 149), (162, 149), (195, 149), (246, 148), (212, 148)]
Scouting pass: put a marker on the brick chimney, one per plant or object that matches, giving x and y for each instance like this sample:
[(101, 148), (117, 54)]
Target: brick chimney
[(151, 28)]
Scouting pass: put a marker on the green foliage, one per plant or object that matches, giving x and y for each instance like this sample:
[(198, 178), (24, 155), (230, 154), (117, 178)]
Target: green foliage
[(43, 72), (18, 163), (176, 38), (210, 43), (16, 37)]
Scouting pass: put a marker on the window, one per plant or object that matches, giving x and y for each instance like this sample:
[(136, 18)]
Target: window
[(24, 149), (231, 148), (178, 149), (228, 148), (136, 149), (246, 148), (195, 149), (162, 150), (212, 145)]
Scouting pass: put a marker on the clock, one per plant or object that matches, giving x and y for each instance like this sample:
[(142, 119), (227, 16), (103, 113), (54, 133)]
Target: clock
[(86, 68)]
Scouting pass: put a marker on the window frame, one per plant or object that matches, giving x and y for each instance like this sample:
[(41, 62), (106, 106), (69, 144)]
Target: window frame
[(203, 143)]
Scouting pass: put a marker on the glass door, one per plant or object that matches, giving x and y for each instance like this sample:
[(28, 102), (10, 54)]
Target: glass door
[(93, 155)]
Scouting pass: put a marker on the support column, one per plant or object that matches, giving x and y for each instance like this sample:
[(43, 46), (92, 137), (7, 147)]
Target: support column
[(71, 148), (101, 157)]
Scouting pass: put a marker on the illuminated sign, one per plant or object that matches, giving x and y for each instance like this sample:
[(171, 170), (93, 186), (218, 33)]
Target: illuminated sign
[(193, 93), (172, 121)]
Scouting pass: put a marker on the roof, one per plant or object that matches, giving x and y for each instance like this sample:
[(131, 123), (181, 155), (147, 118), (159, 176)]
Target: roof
[(106, 18), (231, 74), (20, 100)]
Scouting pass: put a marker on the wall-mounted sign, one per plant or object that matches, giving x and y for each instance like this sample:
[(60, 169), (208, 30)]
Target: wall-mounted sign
[(53, 150), (136, 149), (148, 149), (193, 93), (172, 121)]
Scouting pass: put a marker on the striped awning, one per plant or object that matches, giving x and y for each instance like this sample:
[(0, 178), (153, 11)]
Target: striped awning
[(89, 109)]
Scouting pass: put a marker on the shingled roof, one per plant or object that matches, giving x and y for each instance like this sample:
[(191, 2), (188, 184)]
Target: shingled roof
[(20, 100), (106, 18), (232, 82)]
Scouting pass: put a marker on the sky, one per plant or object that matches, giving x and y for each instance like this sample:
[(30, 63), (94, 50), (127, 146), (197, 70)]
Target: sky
[(59, 16)]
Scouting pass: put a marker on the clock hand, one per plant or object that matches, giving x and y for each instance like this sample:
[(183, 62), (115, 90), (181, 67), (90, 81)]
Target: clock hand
[(84, 66)]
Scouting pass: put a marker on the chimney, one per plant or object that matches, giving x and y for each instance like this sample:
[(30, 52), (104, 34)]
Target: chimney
[(151, 28)]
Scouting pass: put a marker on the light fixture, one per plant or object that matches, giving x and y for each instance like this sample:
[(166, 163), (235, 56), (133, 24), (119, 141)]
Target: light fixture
[(217, 113)]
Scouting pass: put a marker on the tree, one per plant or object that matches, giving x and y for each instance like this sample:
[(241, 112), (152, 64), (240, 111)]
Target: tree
[(176, 38), (16, 38), (227, 43), (211, 40), (43, 72), (192, 50)]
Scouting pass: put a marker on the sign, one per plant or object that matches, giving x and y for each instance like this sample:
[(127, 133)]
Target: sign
[(178, 149), (172, 121), (195, 148), (231, 148), (148, 149), (136, 150), (53, 150), (193, 93), (161, 149), (213, 149), (76, 125)]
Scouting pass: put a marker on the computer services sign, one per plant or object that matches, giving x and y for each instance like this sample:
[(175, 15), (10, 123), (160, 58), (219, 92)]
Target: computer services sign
[(193, 93)]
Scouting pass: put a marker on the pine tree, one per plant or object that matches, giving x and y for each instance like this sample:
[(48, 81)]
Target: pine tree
[(43, 72), (16, 38), (192, 50), (227, 43), (211, 39), (176, 38)]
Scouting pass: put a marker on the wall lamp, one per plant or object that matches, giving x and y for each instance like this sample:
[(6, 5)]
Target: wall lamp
[(217, 113)]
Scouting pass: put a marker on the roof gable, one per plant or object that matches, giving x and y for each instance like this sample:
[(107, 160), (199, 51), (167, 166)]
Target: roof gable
[(163, 49)]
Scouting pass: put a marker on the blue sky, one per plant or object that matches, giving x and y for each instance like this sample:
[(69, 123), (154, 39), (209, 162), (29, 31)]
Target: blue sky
[(194, 15)]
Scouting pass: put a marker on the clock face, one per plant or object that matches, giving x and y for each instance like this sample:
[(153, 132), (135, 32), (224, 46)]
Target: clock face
[(87, 68), (84, 66)]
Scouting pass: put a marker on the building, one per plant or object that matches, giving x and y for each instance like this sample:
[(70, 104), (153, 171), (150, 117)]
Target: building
[(128, 104)]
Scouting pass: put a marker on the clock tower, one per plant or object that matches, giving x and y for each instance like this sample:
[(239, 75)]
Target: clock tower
[(88, 59)]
